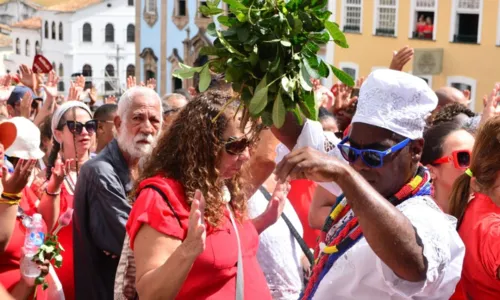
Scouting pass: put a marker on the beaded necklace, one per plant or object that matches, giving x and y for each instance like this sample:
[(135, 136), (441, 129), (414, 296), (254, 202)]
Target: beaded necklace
[(346, 234)]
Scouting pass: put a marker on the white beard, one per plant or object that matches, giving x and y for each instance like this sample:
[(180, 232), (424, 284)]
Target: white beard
[(132, 147)]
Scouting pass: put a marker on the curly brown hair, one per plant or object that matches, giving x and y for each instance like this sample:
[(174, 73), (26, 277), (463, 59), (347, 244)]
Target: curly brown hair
[(189, 152)]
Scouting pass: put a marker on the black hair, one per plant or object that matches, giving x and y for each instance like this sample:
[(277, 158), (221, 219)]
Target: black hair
[(434, 137), (104, 111), (56, 147), (46, 130), (324, 114), (450, 112)]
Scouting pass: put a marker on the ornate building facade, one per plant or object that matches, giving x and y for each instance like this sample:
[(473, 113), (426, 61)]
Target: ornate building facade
[(170, 32)]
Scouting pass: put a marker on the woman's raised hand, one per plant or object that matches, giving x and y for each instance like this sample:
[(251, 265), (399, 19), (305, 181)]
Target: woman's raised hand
[(196, 235)]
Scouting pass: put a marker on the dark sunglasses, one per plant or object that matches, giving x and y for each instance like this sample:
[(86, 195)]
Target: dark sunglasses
[(77, 127), (371, 158), (460, 159), (236, 146)]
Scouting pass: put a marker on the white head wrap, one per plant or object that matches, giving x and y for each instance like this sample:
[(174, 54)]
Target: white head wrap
[(61, 110), (396, 101)]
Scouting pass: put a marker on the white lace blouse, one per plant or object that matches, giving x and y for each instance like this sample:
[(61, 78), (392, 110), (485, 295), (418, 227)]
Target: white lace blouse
[(279, 254)]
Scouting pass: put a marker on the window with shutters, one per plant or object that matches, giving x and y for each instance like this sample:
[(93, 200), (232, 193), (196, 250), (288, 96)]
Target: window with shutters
[(130, 71), (27, 50), (60, 31), (109, 75), (53, 32), (18, 46), (386, 17), (423, 15), (464, 83), (87, 33), (130, 33), (350, 68), (150, 13), (109, 34), (352, 15), (466, 19)]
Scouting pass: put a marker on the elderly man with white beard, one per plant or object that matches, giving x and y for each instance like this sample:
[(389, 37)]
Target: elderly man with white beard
[(101, 196)]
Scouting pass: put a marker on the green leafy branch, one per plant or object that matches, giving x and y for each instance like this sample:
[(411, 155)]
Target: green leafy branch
[(50, 250), (268, 51)]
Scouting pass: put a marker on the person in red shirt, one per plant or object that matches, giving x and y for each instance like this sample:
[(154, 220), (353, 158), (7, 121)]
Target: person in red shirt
[(479, 216), (428, 28), (301, 196), (12, 230), (187, 246), (73, 132), (420, 26)]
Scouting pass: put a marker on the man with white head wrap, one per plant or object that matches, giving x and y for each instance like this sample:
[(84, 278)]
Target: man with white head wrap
[(101, 203), (385, 237)]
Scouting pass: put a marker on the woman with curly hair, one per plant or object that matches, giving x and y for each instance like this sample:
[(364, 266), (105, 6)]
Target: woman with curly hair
[(190, 246)]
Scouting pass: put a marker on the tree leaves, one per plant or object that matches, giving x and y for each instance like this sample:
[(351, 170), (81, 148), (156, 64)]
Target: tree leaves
[(268, 51), (186, 71), (342, 76), (228, 46), (305, 78), (235, 4), (205, 79), (259, 100), (279, 111), (336, 34)]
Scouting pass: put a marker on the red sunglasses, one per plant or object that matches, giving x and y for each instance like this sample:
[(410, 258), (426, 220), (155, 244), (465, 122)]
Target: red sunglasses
[(460, 159)]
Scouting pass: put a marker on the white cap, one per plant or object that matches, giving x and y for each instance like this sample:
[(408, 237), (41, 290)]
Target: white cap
[(61, 110), (27, 142), (396, 101)]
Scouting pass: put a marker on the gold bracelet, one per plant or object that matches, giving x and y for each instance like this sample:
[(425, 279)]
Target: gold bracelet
[(12, 195), (9, 202), (9, 197)]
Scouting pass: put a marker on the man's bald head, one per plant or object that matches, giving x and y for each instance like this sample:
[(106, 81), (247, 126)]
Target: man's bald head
[(447, 95)]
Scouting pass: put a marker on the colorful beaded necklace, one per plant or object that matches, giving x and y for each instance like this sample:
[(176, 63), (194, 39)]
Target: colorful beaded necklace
[(347, 234)]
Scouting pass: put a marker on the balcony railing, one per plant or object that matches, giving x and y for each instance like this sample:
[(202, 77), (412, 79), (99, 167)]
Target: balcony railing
[(384, 32), (426, 36), (352, 28), (463, 38)]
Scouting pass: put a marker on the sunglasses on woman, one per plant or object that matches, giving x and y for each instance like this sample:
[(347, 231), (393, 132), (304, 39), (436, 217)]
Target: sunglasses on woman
[(460, 159), (77, 127), (371, 158), (236, 146)]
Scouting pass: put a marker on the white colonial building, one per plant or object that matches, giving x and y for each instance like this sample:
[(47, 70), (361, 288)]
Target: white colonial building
[(25, 43), (93, 38), (14, 11)]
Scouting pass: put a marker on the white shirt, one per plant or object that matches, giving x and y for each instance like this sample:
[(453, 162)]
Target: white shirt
[(279, 253), (359, 273)]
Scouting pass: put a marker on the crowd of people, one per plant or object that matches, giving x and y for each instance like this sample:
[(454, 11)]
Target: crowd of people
[(394, 193)]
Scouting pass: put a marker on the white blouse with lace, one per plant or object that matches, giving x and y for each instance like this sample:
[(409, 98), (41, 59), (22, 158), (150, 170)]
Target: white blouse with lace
[(279, 253)]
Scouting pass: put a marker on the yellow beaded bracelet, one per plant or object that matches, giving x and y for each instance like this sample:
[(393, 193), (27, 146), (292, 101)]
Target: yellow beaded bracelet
[(9, 202)]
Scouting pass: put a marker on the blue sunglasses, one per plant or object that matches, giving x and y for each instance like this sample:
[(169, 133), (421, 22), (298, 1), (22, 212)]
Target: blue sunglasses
[(372, 158)]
